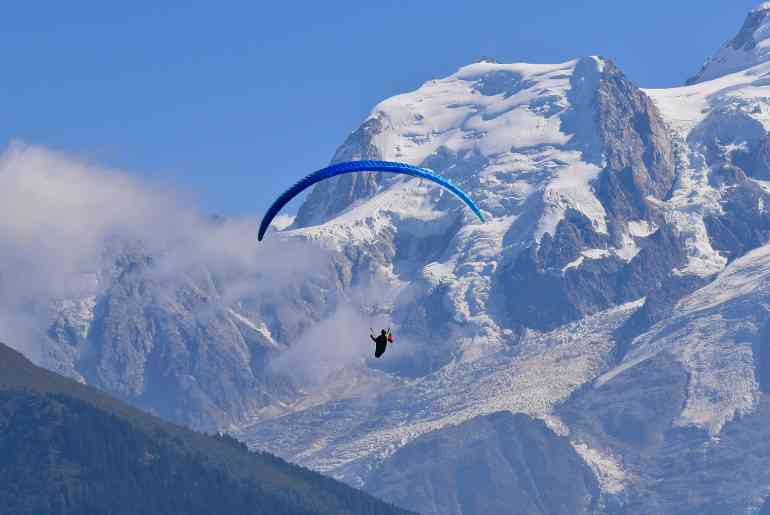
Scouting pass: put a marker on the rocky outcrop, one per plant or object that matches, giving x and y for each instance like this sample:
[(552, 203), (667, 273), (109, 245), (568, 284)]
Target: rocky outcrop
[(177, 347), (616, 416), (637, 147), (730, 136), (495, 464), (639, 164), (555, 296), (744, 224), (736, 149), (676, 469), (659, 304), (552, 293)]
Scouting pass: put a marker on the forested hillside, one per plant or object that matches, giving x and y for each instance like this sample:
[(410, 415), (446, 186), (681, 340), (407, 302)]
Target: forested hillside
[(67, 449)]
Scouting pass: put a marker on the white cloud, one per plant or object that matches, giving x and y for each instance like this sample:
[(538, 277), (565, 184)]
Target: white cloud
[(331, 345), (60, 215), (341, 341), (56, 212)]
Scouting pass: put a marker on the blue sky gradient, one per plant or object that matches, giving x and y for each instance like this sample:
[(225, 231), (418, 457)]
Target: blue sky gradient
[(234, 101)]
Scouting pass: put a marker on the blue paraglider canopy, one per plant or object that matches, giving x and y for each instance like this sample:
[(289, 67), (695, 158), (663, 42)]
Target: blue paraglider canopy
[(362, 166)]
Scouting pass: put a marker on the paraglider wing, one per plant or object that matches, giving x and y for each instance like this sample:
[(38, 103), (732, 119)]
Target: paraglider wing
[(361, 166)]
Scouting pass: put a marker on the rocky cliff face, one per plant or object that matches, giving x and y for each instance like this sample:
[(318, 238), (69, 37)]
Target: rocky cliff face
[(496, 464), (638, 164), (177, 345)]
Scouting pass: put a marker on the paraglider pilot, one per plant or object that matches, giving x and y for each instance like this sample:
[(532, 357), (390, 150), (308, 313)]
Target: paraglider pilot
[(382, 342)]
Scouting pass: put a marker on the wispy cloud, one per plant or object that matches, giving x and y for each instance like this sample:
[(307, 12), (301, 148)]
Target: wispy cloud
[(59, 215), (327, 347)]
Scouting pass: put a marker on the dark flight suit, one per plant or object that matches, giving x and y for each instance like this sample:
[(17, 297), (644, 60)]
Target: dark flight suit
[(382, 342)]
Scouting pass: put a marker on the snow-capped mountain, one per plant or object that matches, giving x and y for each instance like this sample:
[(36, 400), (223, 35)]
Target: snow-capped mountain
[(618, 292), (750, 47), (573, 129)]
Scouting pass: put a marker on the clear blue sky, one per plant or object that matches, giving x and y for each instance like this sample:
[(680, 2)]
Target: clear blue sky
[(236, 100)]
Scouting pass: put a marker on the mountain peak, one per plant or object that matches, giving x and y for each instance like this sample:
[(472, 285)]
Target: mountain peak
[(749, 48)]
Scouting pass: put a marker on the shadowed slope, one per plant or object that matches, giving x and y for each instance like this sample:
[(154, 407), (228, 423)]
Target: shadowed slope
[(65, 448)]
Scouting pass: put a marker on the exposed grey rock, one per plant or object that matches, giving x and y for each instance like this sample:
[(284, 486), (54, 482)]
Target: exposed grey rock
[(573, 234), (495, 464), (745, 38), (552, 298), (736, 148), (639, 163), (180, 349), (728, 135), (678, 470), (176, 352), (637, 147), (744, 224), (501, 83), (658, 305)]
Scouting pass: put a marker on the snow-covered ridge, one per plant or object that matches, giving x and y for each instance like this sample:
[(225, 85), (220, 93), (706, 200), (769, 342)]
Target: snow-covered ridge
[(520, 138), (466, 111), (712, 333), (508, 125), (750, 47), (745, 91)]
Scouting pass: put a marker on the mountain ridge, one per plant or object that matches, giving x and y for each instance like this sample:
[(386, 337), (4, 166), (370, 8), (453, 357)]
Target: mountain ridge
[(57, 458), (748, 48)]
